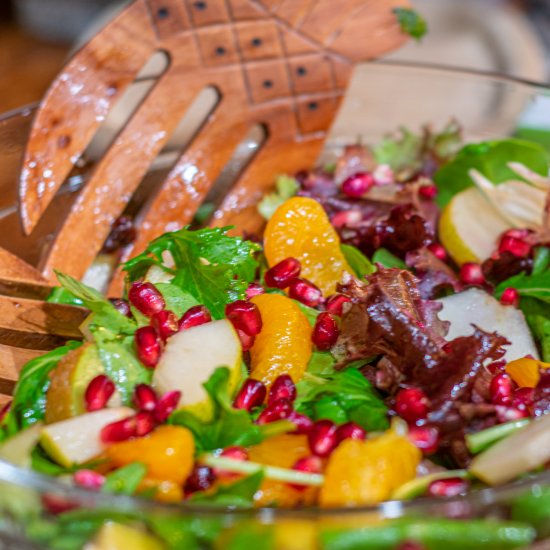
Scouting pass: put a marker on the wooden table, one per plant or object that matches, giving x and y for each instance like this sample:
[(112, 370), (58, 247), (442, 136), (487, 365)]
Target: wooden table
[(27, 66)]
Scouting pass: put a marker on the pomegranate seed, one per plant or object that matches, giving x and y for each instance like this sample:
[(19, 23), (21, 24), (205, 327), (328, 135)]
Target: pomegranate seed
[(309, 464), (166, 323), (496, 366), (200, 479), (357, 185), (514, 243), (411, 404), (254, 289), (56, 504), (438, 251), (471, 274), (146, 298), (282, 388), (428, 192), (302, 422), (244, 316), (122, 306), (166, 405), (247, 341), (501, 389), (451, 487), (305, 292), (276, 411), (5, 410), (121, 430), (88, 479), (145, 397), (425, 438), (193, 317), (98, 392), (347, 218), (325, 332), (508, 414), (281, 274), (235, 453), (148, 346), (350, 430), (510, 297), (322, 438), (523, 398), (251, 394), (335, 304), (145, 423)]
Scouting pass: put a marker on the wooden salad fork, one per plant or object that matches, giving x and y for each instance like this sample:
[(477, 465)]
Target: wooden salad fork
[(280, 64)]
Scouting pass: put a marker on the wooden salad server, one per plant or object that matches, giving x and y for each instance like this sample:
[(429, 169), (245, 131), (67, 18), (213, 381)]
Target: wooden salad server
[(280, 64)]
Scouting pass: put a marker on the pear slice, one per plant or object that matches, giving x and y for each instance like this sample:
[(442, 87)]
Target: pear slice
[(115, 536), (470, 226), (77, 439), (517, 454), (17, 449), (69, 380), (475, 307), (191, 356)]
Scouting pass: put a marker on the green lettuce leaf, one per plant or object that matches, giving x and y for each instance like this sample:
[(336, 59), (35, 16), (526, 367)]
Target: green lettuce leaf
[(125, 480), (104, 312), (411, 22), (29, 400), (491, 158), (285, 188), (387, 259), (342, 396), (211, 266)]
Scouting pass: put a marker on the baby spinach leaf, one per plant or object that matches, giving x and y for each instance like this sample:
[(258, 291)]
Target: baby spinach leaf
[(125, 480), (491, 158), (342, 396), (104, 312), (534, 286), (387, 259), (228, 426), (541, 261), (210, 265), (59, 295), (411, 22), (285, 188), (537, 314), (360, 264), (29, 401), (239, 494)]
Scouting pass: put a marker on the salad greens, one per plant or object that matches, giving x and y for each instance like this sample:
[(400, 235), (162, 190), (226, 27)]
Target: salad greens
[(211, 266), (491, 158), (411, 22), (285, 188)]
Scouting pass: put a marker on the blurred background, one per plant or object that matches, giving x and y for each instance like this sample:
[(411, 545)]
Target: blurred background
[(507, 36)]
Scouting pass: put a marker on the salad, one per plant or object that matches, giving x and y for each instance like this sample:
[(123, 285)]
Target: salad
[(386, 338)]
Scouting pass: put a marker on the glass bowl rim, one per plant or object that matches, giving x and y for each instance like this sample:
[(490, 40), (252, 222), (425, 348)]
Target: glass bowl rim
[(26, 478)]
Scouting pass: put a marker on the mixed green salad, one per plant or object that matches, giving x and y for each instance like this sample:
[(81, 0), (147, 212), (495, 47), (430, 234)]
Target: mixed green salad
[(387, 337)]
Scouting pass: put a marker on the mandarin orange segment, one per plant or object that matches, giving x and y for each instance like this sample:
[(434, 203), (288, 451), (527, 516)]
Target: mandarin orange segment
[(167, 452), (284, 343), (282, 451), (367, 472), (301, 229), (525, 371), (163, 491)]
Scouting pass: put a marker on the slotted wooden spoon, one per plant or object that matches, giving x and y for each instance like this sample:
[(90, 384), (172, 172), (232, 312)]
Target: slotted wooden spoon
[(283, 64)]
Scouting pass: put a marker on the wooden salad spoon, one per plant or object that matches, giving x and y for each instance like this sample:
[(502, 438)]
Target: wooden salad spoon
[(281, 64)]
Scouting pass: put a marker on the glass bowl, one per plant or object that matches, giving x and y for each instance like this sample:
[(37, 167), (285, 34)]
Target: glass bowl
[(39, 512)]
